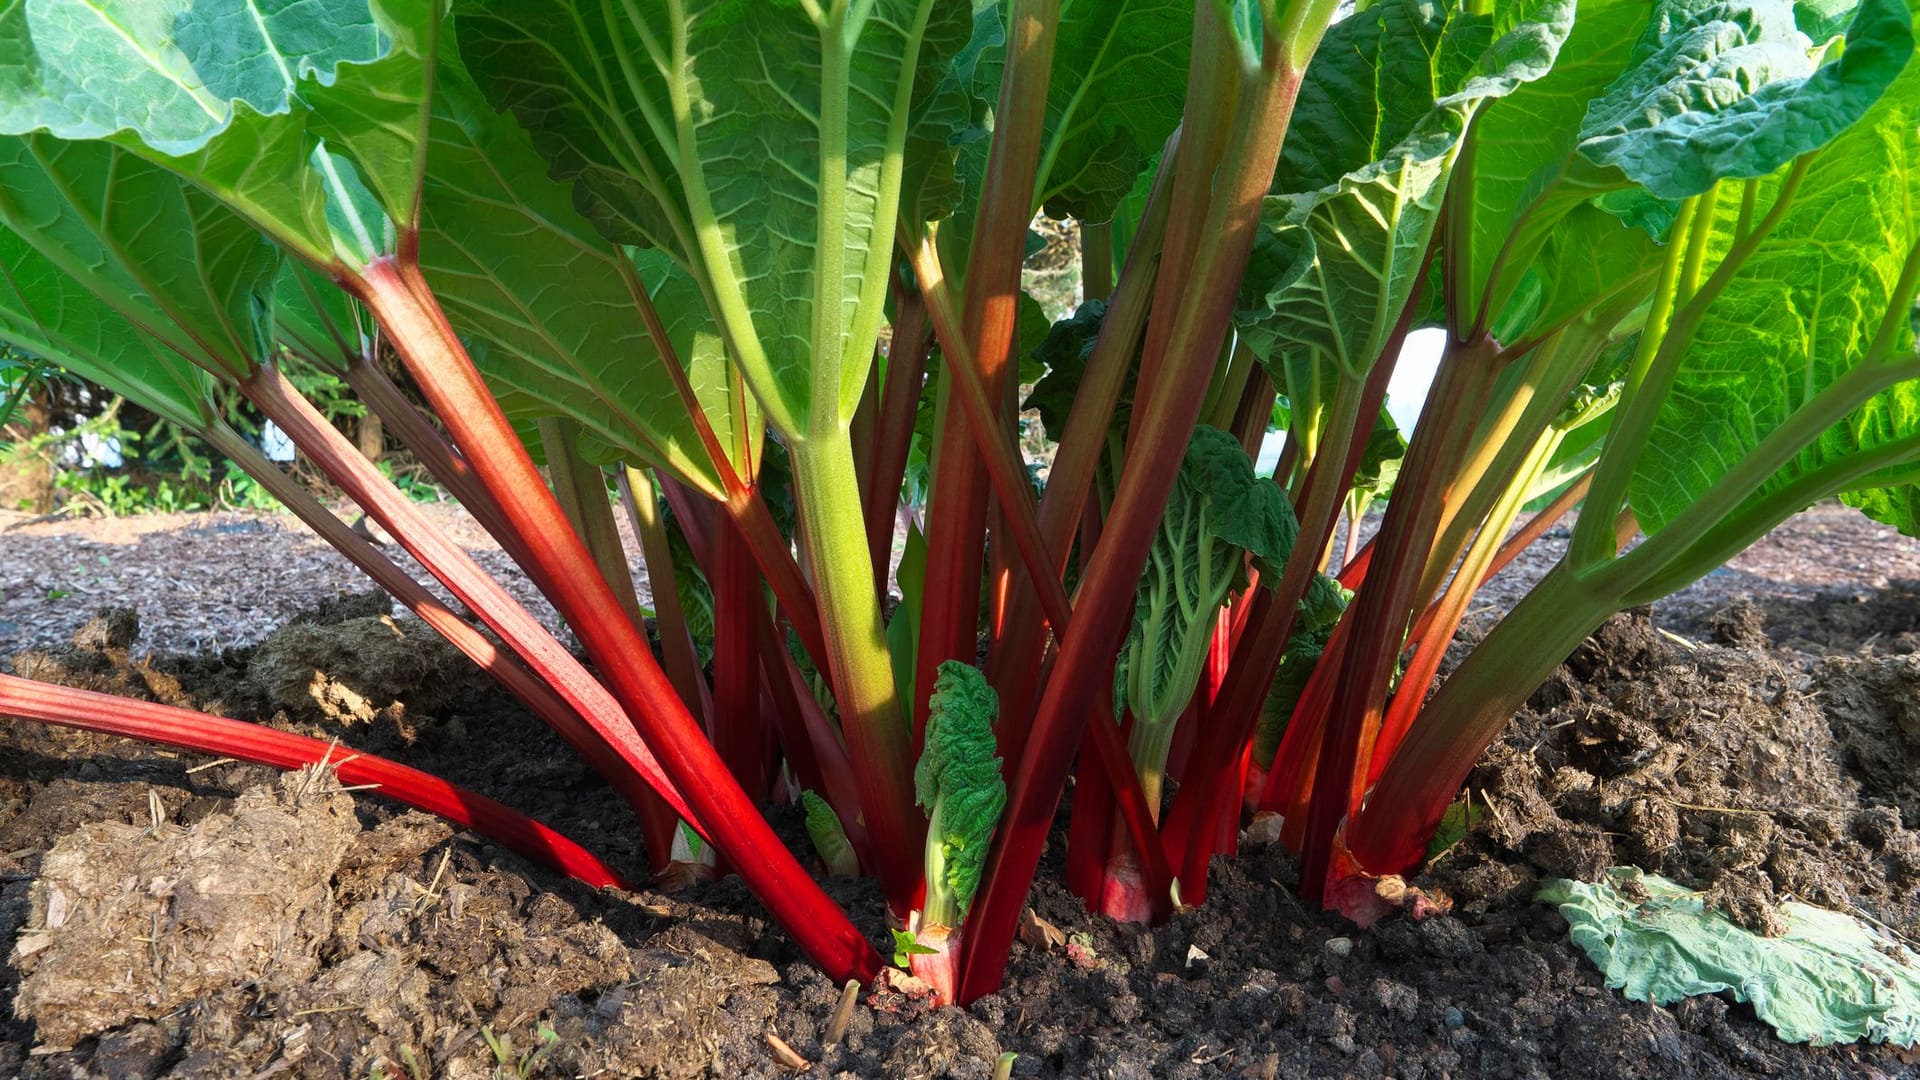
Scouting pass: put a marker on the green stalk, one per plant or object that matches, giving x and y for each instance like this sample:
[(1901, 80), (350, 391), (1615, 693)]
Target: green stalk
[(1676, 551), (1757, 518), (1096, 259), (1592, 541), (862, 668), (1505, 439), (1663, 344)]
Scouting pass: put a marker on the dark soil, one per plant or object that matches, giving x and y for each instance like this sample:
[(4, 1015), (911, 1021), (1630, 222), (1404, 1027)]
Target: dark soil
[(347, 938)]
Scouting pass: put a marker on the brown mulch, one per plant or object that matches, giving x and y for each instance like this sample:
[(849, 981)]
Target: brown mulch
[(203, 582)]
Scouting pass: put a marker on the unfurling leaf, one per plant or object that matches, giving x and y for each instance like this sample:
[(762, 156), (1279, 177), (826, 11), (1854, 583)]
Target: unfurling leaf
[(958, 781), (1219, 515), (829, 837)]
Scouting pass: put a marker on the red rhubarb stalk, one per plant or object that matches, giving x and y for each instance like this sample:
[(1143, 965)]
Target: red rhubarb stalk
[(413, 321), (950, 612), (88, 711), (1197, 317)]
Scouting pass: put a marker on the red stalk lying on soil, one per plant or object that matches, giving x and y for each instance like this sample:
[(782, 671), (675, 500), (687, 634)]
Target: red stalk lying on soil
[(189, 730)]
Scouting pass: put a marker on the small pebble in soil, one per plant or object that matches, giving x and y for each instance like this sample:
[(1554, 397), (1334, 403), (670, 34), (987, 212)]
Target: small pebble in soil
[(1340, 947), (1454, 1017)]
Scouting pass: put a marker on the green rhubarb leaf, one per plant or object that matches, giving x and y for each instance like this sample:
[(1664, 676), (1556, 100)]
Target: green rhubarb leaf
[(1526, 174), (316, 321), (50, 314), (1064, 351), (170, 259), (829, 837), (1801, 312), (167, 70), (1828, 979), (1320, 612), (947, 141), (958, 781), (1116, 91), (1732, 89), (1380, 460), (759, 147), (496, 237), (1822, 20), (1219, 516), (231, 95), (1336, 263), (1590, 264)]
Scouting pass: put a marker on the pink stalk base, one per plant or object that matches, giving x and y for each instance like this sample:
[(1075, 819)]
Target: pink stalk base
[(1123, 891), (939, 969)]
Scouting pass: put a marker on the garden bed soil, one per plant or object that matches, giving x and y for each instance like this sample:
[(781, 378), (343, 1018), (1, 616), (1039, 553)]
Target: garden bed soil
[(223, 920)]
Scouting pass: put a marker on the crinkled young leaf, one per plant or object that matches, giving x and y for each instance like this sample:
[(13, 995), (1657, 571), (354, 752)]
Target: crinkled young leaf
[(1336, 264), (1800, 313), (1115, 93), (1732, 89), (1219, 515), (958, 780)]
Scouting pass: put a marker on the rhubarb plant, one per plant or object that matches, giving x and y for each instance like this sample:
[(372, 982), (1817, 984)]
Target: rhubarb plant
[(753, 261)]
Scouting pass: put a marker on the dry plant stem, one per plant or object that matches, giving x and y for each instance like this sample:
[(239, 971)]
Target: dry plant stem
[(957, 522), (88, 711), (550, 706), (1166, 410), (405, 308)]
